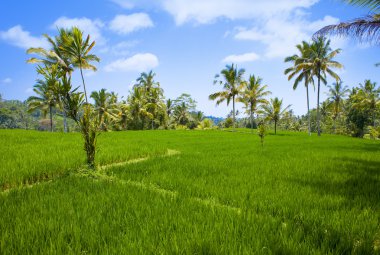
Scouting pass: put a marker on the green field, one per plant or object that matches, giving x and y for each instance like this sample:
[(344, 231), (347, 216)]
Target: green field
[(189, 192)]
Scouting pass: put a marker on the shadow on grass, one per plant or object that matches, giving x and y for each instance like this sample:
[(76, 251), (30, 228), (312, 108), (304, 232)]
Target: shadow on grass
[(360, 186)]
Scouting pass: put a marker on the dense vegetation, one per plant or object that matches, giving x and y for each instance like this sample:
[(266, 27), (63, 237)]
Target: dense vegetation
[(221, 192)]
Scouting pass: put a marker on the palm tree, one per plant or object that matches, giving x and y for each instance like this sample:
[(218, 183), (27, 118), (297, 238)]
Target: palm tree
[(364, 29), (146, 81), (274, 111), (337, 93), (320, 63), (44, 101), (232, 82), (302, 74), (367, 97), (78, 50), (105, 106), (56, 57), (253, 94)]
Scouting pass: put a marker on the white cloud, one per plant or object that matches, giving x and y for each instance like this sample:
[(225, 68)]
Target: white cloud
[(201, 11), (280, 34), (6, 81), (21, 38), (125, 24), (119, 49), (124, 3), (247, 57), (88, 26), (139, 63)]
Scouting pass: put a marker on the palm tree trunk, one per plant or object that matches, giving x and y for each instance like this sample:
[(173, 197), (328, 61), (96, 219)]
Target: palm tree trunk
[(275, 127), (64, 122), (251, 120), (318, 115), (84, 85), (308, 107), (233, 110), (51, 118), (374, 118)]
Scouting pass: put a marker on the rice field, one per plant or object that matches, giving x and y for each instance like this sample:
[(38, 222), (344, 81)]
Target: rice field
[(189, 192)]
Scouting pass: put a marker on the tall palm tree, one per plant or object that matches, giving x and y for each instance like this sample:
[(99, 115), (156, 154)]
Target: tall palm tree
[(337, 93), (320, 63), (232, 82), (365, 29), (54, 56), (78, 49), (146, 81), (105, 106), (302, 74), (253, 95), (368, 97), (44, 101), (274, 111)]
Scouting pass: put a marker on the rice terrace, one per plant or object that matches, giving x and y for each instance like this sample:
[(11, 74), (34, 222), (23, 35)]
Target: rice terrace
[(250, 127)]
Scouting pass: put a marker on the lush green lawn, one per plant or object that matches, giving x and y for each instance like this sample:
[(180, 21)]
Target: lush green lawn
[(222, 194)]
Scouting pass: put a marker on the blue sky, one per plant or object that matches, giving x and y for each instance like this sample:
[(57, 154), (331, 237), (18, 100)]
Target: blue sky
[(186, 42)]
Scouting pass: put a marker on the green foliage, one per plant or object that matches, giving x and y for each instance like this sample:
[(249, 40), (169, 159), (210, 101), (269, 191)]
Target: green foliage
[(261, 131), (232, 82)]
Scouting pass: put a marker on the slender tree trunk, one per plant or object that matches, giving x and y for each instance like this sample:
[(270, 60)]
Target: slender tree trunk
[(318, 115), (308, 107), (51, 118), (374, 118), (64, 122), (251, 113), (275, 127), (84, 85), (233, 110)]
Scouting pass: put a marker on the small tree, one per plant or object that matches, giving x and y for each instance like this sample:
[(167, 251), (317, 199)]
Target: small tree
[(261, 130)]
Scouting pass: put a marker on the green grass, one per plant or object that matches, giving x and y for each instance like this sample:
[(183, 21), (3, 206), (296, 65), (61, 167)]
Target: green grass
[(222, 194)]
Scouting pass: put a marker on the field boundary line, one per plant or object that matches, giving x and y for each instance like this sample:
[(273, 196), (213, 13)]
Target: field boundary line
[(210, 202), (169, 152)]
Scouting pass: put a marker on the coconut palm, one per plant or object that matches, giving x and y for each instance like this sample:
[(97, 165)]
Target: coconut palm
[(365, 29), (232, 82), (337, 93), (146, 81), (78, 48), (105, 106), (368, 97), (44, 101), (56, 57), (274, 111), (253, 95), (320, 63), (302, 74)]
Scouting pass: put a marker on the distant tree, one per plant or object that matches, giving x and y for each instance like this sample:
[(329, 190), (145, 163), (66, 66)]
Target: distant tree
[(232, 82), (336, 95), (274, 111), (368, 98), (320, 63), (253, 96), (301, 72), (46, 98), (105, 106)]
